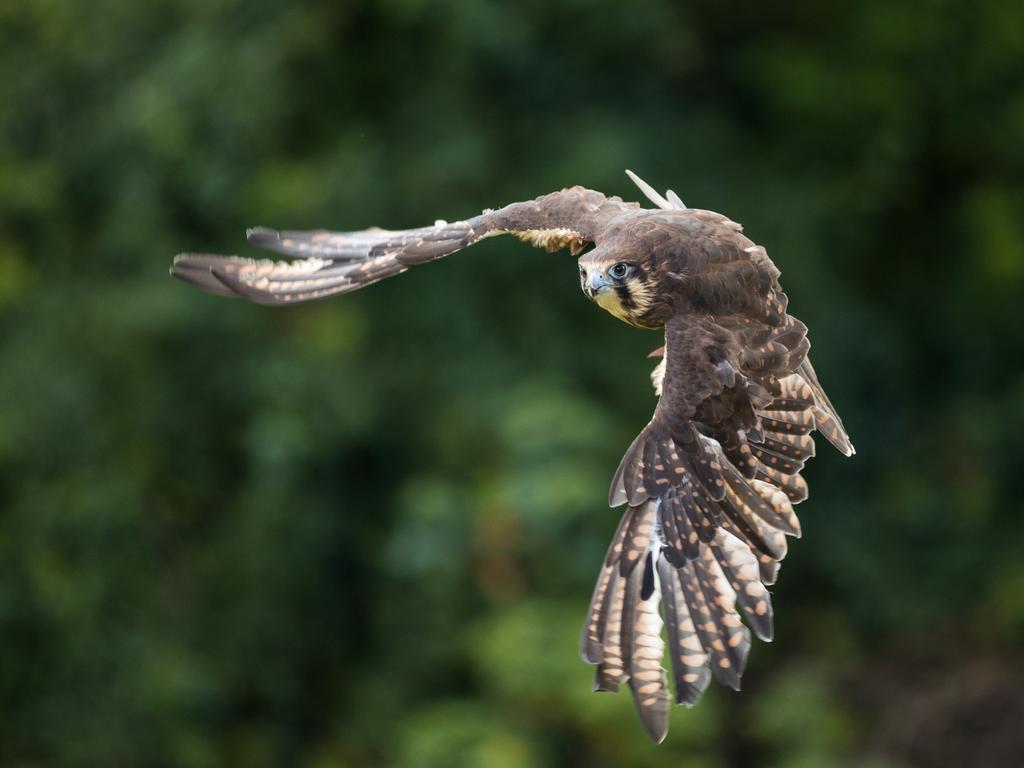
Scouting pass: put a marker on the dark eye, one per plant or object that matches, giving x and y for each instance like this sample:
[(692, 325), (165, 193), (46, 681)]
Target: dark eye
[(619, 270)]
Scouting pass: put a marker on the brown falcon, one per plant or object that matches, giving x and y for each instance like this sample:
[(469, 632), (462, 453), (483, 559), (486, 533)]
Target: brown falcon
[(709, 484)]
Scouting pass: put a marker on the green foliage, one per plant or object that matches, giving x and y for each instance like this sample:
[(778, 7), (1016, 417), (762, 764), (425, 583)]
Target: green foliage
[(363, 532)]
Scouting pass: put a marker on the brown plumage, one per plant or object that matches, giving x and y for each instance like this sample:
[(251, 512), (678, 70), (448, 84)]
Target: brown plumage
[(709, 484)]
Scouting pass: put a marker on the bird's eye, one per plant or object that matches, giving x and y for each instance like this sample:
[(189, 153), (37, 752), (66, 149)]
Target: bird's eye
[(619, 270)]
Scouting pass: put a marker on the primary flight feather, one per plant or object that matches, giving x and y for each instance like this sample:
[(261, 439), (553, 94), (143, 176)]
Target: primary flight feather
[(710, 483)]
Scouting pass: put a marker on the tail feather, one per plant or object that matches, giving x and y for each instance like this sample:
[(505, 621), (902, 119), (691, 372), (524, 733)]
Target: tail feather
[(598, 614), (644, 649), (611, 669), (727, 656), (591, 648), (705, 601), (689, 660)]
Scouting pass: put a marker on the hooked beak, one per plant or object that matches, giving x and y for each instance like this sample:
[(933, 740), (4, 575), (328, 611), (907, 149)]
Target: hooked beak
[(597, 283)]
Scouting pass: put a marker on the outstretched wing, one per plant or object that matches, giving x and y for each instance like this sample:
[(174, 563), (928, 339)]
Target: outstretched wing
[(330, 263), (710, 485)]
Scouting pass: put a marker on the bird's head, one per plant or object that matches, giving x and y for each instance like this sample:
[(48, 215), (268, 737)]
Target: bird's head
[(619, 284)]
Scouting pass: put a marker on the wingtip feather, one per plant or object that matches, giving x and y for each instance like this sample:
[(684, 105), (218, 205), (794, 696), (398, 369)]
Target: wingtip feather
[(196, 269), (254, 233)]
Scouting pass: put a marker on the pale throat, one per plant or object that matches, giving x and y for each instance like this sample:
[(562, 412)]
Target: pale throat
[(611, 302)]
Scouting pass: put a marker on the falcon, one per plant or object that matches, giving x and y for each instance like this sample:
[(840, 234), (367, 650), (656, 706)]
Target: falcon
[(710, 482)]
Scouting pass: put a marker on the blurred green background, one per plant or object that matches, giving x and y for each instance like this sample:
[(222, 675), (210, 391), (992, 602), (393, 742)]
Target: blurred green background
[(363, 532)]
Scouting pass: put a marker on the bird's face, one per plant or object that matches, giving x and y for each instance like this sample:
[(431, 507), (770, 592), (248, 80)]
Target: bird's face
[(621, 287)]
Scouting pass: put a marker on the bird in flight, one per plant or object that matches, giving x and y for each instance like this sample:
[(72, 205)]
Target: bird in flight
[(710, 483)]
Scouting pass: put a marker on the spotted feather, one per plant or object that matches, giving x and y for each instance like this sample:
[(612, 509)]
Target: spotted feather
[(689, 660), (644, 648)]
